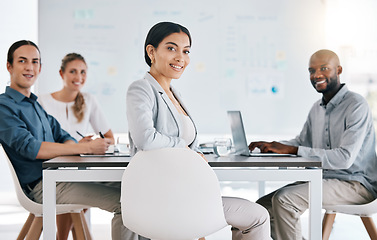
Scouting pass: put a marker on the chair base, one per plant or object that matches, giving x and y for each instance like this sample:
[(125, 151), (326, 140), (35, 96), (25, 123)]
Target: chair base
[(32, 229), (328, 221), (370, 227), (26, 227), (35, 229)]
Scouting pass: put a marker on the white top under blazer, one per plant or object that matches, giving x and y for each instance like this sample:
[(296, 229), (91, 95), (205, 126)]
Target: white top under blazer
[(188, 130)]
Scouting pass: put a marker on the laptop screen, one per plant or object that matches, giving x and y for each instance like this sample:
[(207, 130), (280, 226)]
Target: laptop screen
[(238, 132)]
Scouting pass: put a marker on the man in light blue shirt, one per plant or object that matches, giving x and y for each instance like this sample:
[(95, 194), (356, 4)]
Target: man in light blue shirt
[(338, 132)]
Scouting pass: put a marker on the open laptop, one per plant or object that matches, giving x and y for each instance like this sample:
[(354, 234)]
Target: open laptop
[(239, 138)]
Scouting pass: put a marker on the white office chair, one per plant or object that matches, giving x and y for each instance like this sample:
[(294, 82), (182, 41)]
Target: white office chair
[(365, 211), (171, 194), (32, 228)]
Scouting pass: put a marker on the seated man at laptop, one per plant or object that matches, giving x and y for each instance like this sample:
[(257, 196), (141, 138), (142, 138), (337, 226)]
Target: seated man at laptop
[(338, 132)]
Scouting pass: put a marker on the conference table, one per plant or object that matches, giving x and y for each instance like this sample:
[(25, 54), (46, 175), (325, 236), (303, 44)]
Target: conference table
[(230, 168)]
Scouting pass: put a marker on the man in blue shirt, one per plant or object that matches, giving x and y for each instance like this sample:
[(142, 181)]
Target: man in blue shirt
[(29, 136), (338, 132)]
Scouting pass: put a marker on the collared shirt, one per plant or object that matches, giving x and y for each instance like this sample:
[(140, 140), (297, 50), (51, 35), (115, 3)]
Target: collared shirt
[(341, 135), (24, 125)]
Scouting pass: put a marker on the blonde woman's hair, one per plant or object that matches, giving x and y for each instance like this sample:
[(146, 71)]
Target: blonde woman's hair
[(79, 105)]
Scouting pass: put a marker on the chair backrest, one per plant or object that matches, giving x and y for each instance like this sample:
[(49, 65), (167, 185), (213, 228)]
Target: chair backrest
[(25, 202), (171, 194), (30, 205)]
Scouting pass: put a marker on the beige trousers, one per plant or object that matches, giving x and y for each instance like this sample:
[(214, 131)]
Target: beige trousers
[(105, 196), (249, 220), (288, 203)]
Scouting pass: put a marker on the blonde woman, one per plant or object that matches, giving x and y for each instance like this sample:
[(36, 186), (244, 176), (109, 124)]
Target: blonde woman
[(77, 112)]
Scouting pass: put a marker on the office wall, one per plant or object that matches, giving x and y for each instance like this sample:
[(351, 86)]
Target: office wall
[(246, 54), (18, 21)]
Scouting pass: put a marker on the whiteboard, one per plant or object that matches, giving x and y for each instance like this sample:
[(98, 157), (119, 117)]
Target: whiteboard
[(246, 55)]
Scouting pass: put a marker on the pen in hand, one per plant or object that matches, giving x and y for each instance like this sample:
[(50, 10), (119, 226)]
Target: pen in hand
[(101, 135), (84, 139), (80, 134)]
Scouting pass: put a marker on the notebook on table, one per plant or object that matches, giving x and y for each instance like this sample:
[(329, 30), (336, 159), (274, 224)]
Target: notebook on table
[(115, 154), (111, 152), (239, 138)]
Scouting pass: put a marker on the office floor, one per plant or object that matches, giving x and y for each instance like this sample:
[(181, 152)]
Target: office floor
[(12, 217)]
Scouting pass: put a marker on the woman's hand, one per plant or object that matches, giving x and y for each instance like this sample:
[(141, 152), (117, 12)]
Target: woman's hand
[(99, 145), (202, 155), (86, 139)]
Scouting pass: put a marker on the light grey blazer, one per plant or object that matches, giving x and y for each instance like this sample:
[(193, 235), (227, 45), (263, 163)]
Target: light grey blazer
[(153, 120)]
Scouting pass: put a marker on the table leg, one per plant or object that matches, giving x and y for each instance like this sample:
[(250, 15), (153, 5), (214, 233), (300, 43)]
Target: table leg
[(315, 206), (49, 204)]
